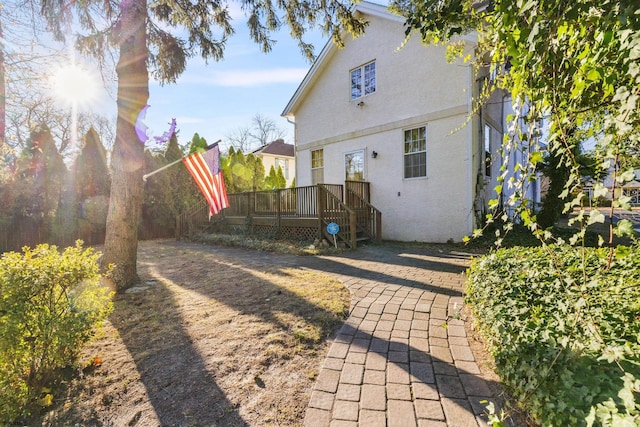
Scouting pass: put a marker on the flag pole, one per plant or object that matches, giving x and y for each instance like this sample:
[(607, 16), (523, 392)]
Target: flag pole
[(145, 176)]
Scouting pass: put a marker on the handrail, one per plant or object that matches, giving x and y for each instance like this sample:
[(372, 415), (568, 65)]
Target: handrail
[(332, 209), (361, 188), (185, 221), (367, 216)]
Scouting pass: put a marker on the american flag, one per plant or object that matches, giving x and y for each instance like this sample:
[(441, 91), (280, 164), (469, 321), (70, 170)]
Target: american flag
[(205, 170)]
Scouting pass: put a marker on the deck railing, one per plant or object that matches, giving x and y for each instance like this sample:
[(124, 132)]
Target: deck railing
[(322, 202), (192, 220), (362, 189), (368, 218), (331, 208), (300, 202)]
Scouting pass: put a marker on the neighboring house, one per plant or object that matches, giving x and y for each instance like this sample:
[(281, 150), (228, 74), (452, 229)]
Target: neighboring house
[(630, 189), (401, 118), (279, 155)]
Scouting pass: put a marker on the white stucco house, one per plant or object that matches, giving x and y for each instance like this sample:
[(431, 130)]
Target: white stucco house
[(400, 117)]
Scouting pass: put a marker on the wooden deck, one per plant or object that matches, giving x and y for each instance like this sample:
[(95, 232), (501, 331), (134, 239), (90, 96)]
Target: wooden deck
[(301, 213)]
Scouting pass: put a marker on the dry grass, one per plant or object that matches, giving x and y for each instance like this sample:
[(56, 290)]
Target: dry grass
[(213, 340)]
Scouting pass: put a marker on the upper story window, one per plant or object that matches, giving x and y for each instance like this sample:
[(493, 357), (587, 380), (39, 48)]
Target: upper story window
[(284, 165), (415, 152), (363, 80)]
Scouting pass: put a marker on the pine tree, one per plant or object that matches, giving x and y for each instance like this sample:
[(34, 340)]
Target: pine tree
[(270, 181), (281, 181), (87, 193), (142, 34), (256, 172), (91, 173), (40, 175), (275, 180)]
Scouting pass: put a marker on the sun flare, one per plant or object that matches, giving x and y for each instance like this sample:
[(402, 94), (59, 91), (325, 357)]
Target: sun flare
[(75, 85)]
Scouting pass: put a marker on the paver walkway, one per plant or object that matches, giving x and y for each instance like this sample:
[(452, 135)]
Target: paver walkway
[(402, 358)]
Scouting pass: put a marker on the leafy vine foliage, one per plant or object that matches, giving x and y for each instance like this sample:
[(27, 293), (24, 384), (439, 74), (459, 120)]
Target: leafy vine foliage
[(566, 348), (572, 72)]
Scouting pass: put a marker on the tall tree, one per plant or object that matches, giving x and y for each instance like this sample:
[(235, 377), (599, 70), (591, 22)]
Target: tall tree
[(275, 180), (169, 193), (91, 173), (141, 34), (184, 192), (242, 173), (90, 189), (40, 174)]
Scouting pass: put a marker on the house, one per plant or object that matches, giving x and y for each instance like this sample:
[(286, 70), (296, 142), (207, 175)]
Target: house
[(400, 117), (279, 155)]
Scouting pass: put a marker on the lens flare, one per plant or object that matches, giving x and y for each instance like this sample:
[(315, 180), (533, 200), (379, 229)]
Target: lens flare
[(75, 85)]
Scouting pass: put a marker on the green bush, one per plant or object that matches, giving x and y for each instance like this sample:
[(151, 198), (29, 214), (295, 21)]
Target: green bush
[(564, 330), (50, 303)]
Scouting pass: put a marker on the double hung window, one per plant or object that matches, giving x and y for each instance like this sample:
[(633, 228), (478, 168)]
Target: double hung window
[(415, 152), (317, 167)]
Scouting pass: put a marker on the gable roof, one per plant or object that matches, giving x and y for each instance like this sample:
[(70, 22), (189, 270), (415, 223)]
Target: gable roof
[(329, 49), (277, 148)]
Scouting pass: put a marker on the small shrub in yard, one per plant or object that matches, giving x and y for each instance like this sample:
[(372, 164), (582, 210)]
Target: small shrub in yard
[(564, 330), (50, 302)]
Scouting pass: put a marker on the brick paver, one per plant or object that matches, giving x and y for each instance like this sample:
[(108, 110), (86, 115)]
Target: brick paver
[(402, 358)]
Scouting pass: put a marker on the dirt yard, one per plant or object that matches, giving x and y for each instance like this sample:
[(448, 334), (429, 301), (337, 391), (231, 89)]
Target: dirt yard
[(207, 339)]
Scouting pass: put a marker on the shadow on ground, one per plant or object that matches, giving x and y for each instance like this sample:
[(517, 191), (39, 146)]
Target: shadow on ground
[(180, 387)]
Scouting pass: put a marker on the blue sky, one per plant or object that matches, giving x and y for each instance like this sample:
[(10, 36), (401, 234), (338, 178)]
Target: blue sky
[(217, 98)]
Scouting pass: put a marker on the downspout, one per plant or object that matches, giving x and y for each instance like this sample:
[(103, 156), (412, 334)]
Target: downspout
[(469, 179), (295, 147), (502, 120)]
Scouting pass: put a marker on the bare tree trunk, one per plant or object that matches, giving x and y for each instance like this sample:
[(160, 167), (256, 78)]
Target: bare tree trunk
[(121, 240)]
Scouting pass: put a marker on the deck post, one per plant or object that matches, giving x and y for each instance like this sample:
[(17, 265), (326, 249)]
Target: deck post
[(278, 210), (352, 229), (321, 208), (251, 205)]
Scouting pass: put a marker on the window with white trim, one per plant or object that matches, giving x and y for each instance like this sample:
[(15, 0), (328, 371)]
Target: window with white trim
[(363, 80), (354, 166), (317, 167), (415, 152)]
